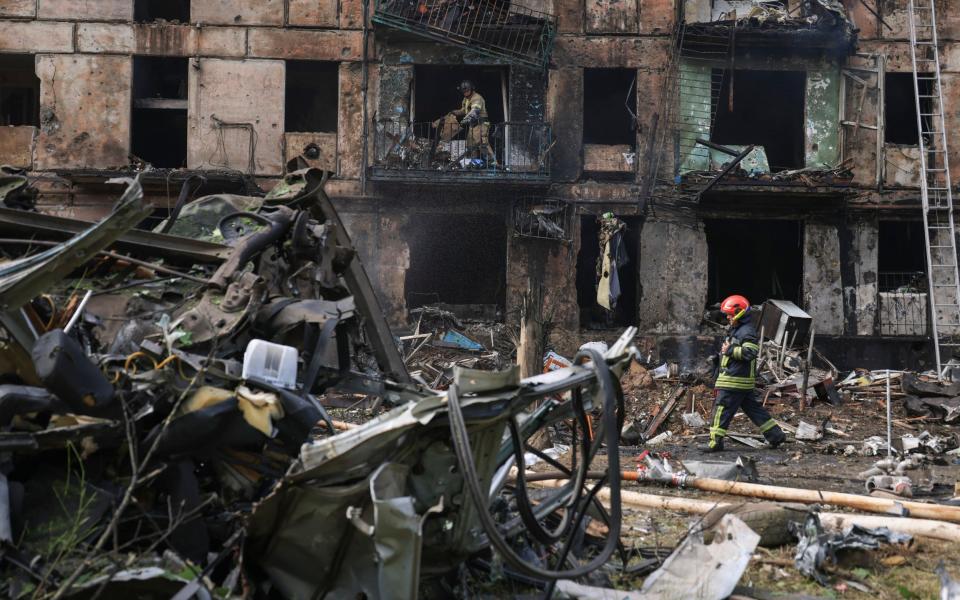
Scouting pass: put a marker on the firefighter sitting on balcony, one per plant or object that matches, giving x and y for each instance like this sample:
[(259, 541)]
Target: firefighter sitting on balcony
[(473, 116), (736, 379)]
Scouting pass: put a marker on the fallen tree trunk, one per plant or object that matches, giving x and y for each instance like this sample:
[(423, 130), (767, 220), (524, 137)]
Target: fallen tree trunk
[(926, 528)]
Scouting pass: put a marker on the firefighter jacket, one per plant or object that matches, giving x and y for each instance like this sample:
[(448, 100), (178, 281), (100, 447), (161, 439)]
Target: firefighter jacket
[(473, 109), (738, 365)]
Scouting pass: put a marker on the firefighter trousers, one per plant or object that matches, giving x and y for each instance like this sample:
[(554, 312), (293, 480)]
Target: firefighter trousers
[(726, 406)]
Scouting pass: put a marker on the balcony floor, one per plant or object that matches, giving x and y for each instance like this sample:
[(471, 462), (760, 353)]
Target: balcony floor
[(430, 176)]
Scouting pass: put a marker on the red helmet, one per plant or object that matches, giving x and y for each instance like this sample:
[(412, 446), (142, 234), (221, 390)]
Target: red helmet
[(734, 306)]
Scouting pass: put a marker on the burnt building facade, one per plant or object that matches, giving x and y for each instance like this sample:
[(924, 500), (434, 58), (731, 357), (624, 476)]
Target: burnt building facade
[(630, 107)]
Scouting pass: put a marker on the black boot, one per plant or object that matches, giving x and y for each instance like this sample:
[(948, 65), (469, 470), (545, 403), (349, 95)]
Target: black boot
[(714, 446), (775, 437)]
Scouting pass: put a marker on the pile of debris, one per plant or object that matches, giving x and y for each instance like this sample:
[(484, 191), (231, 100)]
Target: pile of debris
[(164, 423)]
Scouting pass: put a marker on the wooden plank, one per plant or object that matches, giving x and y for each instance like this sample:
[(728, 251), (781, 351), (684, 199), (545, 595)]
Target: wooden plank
[(665, 409)]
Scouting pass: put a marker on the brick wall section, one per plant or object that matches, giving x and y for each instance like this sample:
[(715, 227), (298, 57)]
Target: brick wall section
[(18, 8), (86, 10), (36, 36), (161, 39), (84, 111), (238, 12), (236, 91), (305, 44)]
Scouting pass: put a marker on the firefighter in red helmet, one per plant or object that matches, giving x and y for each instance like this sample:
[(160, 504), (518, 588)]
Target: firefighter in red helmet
[(736, 379)]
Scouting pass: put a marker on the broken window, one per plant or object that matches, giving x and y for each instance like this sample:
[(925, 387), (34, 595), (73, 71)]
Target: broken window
[(147, 11), (19, 90), (592, 315), (740, 259), (902, 278), (457, 259), (436, 90), (610, 107), (900, 108), (901, 255), (311, 96), (765, 108), (158, 133)]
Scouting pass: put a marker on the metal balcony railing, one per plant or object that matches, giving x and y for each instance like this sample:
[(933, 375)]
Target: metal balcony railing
[(494, 28), (448, 153), (903, 303)]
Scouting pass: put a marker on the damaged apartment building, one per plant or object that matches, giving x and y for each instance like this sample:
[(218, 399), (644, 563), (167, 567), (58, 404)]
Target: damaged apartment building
[(768, 148)]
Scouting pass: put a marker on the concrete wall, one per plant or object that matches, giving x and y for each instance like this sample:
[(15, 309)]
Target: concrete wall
[(859, 253), (822, 293), (673, 277), (84, 111), (236, 92)]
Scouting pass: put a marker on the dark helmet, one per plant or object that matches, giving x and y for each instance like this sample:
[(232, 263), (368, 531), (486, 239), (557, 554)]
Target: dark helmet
[(465, 85)]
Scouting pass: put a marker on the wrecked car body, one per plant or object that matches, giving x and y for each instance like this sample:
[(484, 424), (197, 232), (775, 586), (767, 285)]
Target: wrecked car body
[(197, 386)]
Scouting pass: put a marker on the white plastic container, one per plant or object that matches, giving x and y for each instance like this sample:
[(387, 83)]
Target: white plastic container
[(274, 363)]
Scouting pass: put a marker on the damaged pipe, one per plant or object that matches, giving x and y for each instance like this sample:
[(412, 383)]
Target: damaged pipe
[(926, 528), (786, 494)]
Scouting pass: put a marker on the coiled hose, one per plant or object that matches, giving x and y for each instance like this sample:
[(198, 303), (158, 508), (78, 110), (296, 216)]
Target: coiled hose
[(611, 430)]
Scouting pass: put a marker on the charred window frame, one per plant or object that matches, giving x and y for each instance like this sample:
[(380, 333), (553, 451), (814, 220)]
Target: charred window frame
[(901, 255), (457, 259), (158, 133), (592, 315), (19, 90), (739, 259), (900, 108), (610, 107), (148, 11), (766, 108), (311, 96)]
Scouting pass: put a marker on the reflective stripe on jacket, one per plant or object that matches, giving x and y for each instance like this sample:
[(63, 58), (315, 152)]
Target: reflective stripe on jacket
[(738, 366)]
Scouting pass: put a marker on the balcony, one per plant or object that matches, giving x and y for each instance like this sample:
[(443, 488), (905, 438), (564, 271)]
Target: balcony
[(494, 28), (420, 152)]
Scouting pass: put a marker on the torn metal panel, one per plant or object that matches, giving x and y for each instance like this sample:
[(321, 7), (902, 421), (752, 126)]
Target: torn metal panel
[(18, 222), (340, 472), (25, 278), (707, 572)]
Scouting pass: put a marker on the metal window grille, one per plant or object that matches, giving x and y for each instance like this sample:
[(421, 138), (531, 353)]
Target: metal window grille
[(421, 151), (903, 305), (495, 28), (543, 218)]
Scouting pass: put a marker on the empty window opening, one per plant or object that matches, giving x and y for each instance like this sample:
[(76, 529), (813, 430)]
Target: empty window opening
[(147, 11), (740, 260), (456, 259), (766, 108), (610, 107), (158, 131), (19, 90), (436, 90), (901, 255), (312, 93), (592, 315), (900, 108)]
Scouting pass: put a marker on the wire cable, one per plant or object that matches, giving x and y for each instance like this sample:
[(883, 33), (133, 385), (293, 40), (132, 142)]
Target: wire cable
[(461, 445)]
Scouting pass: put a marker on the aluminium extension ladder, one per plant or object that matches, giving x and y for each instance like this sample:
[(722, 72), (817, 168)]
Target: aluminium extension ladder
[(935, 185)]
